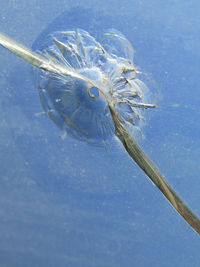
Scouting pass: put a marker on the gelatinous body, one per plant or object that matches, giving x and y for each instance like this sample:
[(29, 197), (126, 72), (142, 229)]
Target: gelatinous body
[(76, 106)]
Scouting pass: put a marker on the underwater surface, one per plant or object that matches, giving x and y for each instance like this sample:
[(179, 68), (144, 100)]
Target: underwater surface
[(69, 203)]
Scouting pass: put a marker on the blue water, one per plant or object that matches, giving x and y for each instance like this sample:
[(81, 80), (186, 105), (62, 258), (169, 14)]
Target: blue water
[(65, 203)]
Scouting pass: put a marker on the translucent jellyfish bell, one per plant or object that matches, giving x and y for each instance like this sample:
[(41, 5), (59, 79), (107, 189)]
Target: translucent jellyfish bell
[(79, 107), (76, 107), (74, 104)]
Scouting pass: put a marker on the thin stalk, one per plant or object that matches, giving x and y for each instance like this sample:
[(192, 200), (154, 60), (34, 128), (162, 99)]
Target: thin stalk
[(153, 174)]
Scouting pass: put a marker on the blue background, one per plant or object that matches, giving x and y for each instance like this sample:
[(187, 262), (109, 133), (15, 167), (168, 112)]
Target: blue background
[(65, 203)]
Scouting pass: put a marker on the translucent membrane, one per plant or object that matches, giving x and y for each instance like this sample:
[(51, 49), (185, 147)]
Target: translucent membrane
[(79, 107)]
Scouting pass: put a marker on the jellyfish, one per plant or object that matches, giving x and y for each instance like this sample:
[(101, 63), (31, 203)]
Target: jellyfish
[(91, 91)]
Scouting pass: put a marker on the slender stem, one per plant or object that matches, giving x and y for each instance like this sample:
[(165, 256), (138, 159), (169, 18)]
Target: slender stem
[(145, 164), (41, 62)]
